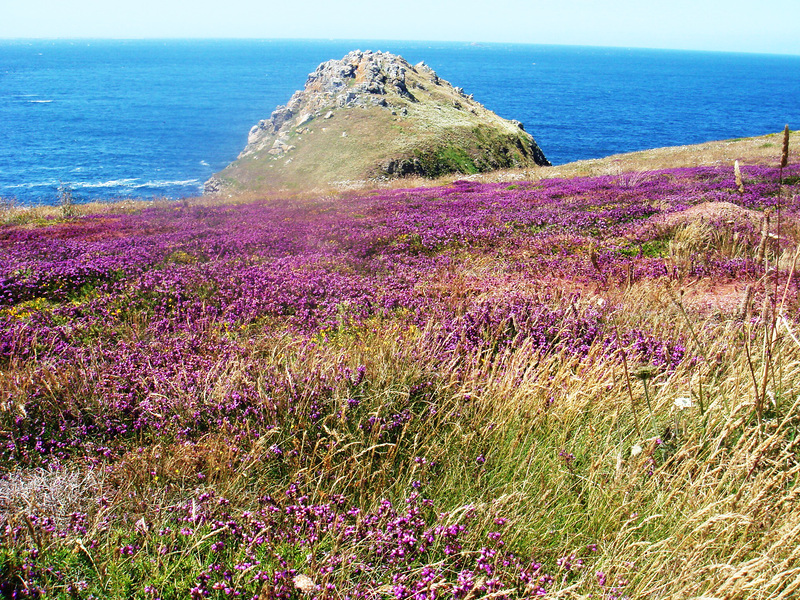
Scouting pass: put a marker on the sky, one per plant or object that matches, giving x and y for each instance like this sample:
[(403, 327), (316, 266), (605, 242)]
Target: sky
[(764, 26)]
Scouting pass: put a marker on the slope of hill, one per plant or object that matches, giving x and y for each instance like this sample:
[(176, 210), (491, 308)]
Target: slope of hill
[(372, 116), (567, 387)]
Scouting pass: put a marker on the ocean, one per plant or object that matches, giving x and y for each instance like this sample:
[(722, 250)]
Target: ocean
[(117, 119)]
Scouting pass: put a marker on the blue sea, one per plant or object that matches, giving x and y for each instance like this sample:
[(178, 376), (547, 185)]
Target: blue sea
[(114, 119)]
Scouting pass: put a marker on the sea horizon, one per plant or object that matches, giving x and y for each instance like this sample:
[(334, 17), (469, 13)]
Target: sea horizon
[(388, 40)]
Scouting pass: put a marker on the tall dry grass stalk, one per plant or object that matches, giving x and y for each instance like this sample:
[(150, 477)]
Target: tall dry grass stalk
[(762, 243), (737, 174), (784, 154), (785, 151), (48, 492)]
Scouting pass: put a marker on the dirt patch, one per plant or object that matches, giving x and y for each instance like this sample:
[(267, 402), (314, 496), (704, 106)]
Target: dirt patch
[(713, 212), (708, 298)]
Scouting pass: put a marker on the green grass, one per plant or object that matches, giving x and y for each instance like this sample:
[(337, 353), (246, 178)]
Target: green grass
[(650, 249)]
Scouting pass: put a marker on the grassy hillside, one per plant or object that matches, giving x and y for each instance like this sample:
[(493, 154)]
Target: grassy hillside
[(570, 387), (372, 117), (354, 146), (758, 150)]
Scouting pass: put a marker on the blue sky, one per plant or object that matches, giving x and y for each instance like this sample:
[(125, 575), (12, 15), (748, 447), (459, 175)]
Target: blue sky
[(771, 26)]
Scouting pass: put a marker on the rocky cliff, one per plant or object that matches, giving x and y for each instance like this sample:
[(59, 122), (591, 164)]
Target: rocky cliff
[(370, 116)]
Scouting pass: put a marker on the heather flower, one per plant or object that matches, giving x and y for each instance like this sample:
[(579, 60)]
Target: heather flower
[(568, 457)]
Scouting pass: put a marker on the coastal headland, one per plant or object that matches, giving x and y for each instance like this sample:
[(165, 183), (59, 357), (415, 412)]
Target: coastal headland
[(369, 117)]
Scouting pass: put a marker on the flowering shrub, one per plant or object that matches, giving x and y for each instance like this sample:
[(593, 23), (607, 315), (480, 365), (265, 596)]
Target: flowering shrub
[(272, 394)]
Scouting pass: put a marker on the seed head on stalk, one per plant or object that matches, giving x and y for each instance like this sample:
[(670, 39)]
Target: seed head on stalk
[(785, 152), (737, 174)]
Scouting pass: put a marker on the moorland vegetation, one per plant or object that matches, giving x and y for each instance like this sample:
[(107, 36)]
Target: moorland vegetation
[(567, 387)]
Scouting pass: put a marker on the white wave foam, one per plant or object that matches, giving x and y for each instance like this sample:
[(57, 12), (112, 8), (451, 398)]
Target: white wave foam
[(103, 184), (125, 184), (204, 163), (162, 184), (31, 185), (40, 101)]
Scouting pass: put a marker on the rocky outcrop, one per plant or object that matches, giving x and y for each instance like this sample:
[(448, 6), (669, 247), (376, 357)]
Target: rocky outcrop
[(372, 115)]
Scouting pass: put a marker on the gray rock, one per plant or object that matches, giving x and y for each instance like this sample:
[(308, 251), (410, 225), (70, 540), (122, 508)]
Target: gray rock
[(254, 134), (422, 67), (400, 167), (303, 119), (279, 117), (212, 186)]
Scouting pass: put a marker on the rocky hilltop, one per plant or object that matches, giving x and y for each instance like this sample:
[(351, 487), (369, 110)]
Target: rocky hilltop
[(371, 116)]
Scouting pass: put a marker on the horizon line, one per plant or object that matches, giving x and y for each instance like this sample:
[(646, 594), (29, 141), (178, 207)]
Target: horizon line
[(382, 40)]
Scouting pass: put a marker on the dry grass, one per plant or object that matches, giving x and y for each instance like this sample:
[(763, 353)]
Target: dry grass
[(48, 493), (760, 150)]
